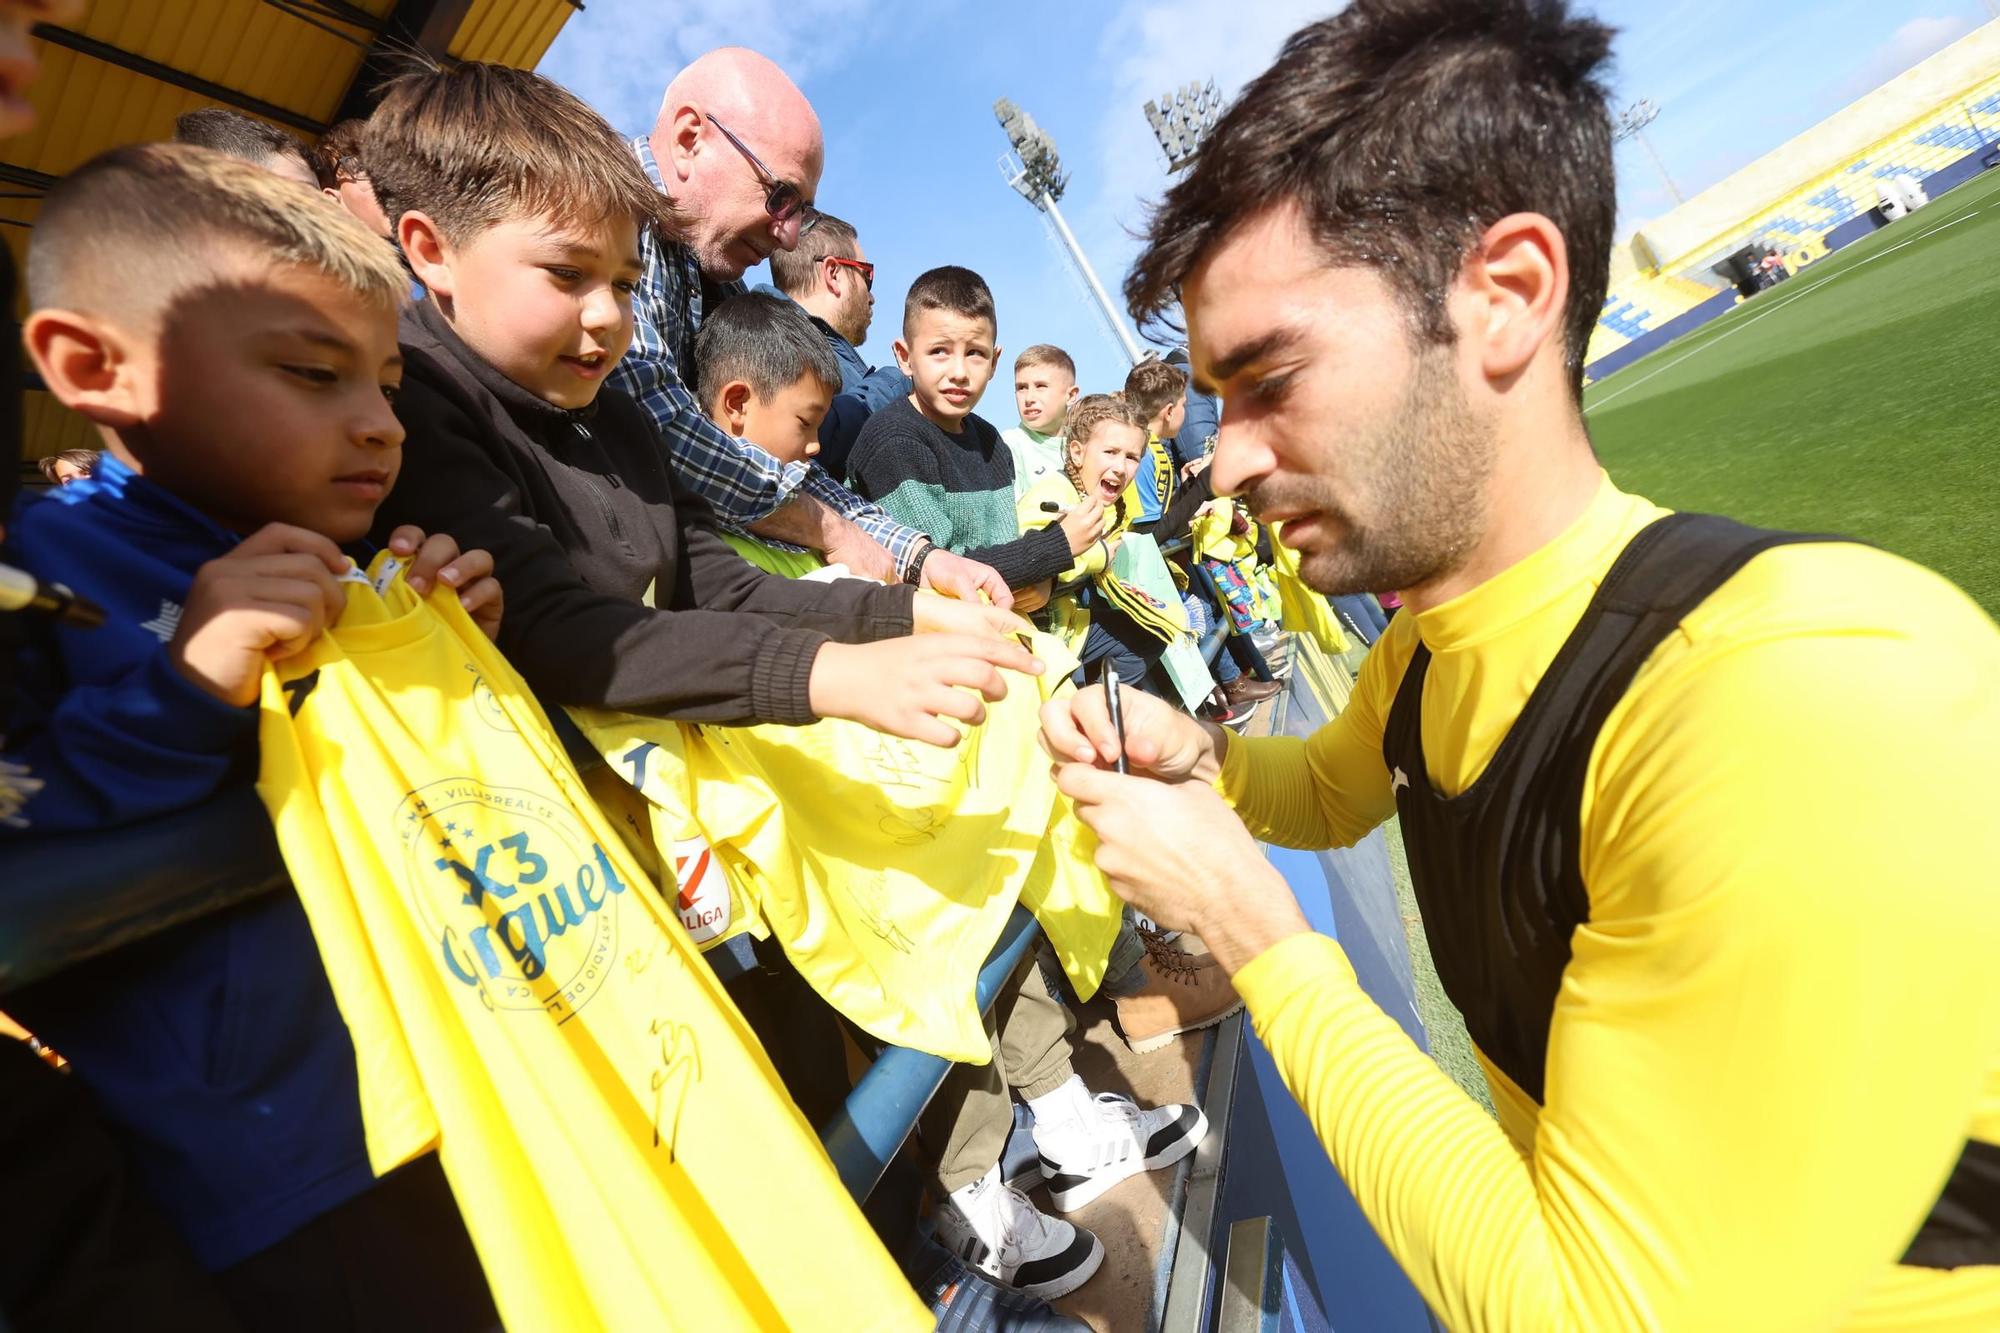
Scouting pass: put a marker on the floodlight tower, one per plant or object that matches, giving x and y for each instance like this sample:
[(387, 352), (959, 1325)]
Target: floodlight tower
[(1189, 114), (1037, 175), (1631, 124)]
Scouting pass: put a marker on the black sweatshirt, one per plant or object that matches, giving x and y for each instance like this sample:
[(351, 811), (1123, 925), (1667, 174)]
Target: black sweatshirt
[(958, 490), (582, 517), (1175, 520)]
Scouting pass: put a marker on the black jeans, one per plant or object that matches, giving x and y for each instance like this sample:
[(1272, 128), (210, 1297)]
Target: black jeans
[(395, 1258), (1116, 640), (80, 1247)]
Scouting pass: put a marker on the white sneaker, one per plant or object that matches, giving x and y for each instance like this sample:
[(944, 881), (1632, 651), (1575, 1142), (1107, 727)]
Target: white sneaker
[(997, 1231), (1086, 1155)]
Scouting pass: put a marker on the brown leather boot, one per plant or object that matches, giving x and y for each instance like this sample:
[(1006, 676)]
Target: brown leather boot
[(1247, 689), (1184, 992)]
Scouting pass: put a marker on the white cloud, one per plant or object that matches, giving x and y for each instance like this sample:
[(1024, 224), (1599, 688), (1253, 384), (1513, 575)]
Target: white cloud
[(1909, 44), (619, 54), (1148, 47)]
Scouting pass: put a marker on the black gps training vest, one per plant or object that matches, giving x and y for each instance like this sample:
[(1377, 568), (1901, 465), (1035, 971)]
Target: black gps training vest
[(1497, 868)]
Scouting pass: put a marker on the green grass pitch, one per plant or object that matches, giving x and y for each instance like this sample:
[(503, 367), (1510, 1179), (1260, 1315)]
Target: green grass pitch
[(1862, 397)]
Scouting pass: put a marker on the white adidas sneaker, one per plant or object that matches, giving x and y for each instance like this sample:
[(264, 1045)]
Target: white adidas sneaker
[(1087, 1154), (997, 1231)]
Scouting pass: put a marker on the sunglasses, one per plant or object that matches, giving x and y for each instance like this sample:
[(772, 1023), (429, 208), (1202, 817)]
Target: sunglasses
[(861, 266), (782, 199)]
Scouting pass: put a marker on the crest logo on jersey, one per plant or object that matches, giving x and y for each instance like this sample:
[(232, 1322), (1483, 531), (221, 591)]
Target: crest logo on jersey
[(522, 900), (490, 711), (485, 702)]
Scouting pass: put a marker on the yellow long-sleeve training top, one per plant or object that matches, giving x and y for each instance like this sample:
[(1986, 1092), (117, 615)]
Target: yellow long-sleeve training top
[(1781, 1022)]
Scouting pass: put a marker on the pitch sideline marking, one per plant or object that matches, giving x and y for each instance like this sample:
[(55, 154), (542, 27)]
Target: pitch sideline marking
[(1624, 389)]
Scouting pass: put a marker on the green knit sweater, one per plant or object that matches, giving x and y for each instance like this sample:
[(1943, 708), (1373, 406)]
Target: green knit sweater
[(957, 489)]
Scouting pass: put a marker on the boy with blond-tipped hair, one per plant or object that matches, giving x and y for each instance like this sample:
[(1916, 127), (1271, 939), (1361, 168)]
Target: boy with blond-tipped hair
[(935, 464), (234, 342)]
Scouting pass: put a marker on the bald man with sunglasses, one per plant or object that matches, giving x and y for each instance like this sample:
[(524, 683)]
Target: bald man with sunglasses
[(737, 148)]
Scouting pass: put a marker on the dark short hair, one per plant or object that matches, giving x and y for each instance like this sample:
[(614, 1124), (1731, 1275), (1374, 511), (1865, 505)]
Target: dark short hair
[(1154, 386), (479, 144), (238, 135), (1046, 354), (337, 156), (764, 340), (951, 288), (792, 271), (1402, 129), (84, 460)]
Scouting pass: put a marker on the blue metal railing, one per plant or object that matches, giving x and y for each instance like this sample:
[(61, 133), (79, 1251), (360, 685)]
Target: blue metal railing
[(885, 1104)]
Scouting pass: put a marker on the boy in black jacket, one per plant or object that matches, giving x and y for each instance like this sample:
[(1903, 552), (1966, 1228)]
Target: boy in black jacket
[(518, 208)]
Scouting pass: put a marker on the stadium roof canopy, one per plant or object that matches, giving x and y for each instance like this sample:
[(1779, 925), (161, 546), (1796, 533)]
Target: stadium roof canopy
[(130, 67)]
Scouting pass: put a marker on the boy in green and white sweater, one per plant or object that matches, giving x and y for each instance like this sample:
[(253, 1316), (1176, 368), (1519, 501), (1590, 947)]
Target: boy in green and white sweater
[(939, 467)]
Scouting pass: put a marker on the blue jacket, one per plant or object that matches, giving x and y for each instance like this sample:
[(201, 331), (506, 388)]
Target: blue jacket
[(864, 390), (1196, 432), (216, 1047)]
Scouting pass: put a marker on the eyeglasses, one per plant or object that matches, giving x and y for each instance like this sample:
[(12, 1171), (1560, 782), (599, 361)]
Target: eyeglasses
[(783, 200), (861, 266)]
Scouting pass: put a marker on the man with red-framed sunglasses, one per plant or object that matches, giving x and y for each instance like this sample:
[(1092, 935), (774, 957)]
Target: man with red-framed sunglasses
[(835, 285), (737, 148)]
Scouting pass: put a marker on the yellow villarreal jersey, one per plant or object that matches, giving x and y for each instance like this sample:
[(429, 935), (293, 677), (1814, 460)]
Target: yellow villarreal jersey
[(522, 1000), (886, 868)]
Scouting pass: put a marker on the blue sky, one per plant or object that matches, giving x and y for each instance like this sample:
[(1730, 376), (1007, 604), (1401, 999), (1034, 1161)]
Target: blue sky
[(905, 89)]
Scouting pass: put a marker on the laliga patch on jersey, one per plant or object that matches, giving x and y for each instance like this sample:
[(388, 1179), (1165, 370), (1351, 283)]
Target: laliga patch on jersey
[(703, 898), (522, 901)]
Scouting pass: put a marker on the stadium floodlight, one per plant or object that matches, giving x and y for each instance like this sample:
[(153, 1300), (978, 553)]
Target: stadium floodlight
[(1182, 119), (1041, 165), (1035, 171), (1631, 124)]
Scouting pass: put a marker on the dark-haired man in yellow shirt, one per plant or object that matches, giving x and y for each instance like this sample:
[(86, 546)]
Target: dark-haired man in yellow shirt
[(1701, 818)]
